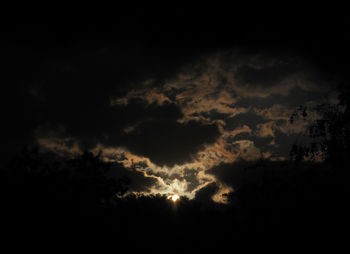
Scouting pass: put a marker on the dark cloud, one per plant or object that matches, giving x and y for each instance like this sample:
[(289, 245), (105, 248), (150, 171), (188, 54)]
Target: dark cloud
[(279, 145), (70, 80), (106, 124), (168, 142), (204, 195), (61, 84), (284, 143), (266, 76), (59, 81), (154, 132), (264, 143), (238, 173), (136, 180), (296, 97), (250, 119), (214, 115)]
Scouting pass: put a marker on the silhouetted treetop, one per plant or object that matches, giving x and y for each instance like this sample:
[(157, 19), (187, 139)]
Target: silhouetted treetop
[(55, 183), (330, 134)]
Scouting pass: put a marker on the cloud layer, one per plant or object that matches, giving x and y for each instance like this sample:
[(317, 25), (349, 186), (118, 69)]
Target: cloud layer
[(177, 130)]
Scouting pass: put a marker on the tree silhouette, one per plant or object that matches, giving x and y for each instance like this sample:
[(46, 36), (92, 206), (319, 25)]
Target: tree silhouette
[(44, 182), (330, 134)]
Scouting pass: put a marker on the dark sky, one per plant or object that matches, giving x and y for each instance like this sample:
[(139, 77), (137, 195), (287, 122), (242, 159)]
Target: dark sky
[(175, 96)]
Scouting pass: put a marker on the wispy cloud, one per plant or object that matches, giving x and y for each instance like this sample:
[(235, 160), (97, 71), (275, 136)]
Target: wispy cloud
[(227, 107)]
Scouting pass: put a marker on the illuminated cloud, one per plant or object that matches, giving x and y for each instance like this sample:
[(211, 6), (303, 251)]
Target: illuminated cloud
[(61, 146), (179, 132)]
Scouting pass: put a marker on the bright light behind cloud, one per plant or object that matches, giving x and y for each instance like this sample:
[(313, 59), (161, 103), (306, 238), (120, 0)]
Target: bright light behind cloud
[(251, 117), (174, 197)]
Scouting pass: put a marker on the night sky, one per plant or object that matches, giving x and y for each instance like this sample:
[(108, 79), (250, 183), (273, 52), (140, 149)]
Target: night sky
[(178, 102)]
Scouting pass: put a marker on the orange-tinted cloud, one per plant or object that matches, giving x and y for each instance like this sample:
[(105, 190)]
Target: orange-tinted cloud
[(207, 98)]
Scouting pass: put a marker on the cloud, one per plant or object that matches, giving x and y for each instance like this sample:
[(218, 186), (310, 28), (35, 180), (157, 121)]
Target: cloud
[(296, 97), (237, 174), (244, 101), (204, 194), (137, 181), (270, 75), (170, 130), (250, 118), (168, 142), (62, 146)]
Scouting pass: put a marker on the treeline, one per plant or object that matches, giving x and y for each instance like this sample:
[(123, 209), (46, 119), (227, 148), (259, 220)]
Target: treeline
[(45, 196)]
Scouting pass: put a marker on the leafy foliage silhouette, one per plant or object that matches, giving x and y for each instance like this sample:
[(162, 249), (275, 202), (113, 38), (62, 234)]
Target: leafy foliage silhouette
[(330, 134)]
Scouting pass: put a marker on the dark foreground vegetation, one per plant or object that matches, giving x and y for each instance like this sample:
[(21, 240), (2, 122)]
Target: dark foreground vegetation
[(49, 199)]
